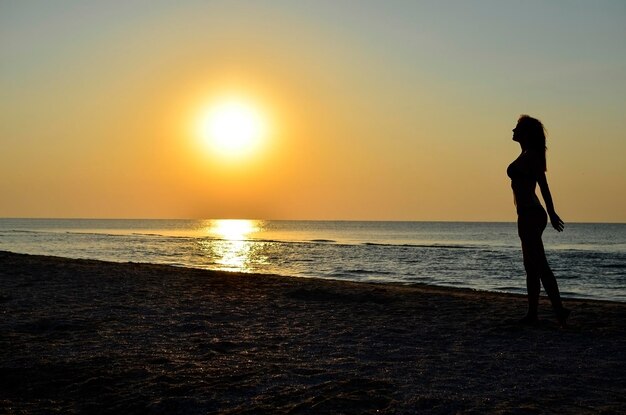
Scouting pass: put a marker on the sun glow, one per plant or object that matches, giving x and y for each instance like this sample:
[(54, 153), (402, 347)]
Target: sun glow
[(232, 127), (233, 229)]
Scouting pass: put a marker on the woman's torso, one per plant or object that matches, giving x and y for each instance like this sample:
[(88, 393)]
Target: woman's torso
[(523, 182)]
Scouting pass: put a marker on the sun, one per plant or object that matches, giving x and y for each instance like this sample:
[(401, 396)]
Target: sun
[(232, 127)]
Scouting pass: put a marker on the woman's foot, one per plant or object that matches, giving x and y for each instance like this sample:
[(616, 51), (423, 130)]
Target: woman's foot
[(561, 315)]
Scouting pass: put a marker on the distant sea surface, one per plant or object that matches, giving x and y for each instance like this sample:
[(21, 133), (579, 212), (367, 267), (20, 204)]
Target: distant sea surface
[(589, 260)]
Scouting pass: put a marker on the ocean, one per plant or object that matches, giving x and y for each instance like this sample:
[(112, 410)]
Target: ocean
[(589, 260)]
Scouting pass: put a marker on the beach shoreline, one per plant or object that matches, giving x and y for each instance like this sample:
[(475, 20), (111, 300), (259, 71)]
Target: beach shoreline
[(94, 336)]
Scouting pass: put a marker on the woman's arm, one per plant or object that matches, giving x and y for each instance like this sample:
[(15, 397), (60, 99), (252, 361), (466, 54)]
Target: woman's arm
[(556, 221)]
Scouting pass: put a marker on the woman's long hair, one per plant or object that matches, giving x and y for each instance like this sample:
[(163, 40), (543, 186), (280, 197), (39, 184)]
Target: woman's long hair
[(536, 132)]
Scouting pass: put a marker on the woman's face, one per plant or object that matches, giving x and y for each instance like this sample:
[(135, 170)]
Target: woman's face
[(517, 134)]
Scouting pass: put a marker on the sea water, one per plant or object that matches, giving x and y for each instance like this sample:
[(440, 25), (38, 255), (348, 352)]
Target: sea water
[(589, 260)]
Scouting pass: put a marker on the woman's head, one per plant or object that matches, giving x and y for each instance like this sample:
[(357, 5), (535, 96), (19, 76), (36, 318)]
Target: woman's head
[(531, 135)]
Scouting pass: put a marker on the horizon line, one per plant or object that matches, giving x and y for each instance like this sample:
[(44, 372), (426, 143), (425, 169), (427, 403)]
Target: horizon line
[(290, 220)]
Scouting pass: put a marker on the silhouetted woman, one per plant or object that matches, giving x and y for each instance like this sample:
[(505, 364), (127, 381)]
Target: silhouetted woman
[(525, 172)]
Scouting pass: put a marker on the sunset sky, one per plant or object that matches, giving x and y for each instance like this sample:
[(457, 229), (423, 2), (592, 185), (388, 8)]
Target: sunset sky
[(367, 110)]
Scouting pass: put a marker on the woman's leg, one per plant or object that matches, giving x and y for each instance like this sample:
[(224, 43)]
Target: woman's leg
[(552, 289), (530, 227), (548, 279), (533, 284), (529, 230)]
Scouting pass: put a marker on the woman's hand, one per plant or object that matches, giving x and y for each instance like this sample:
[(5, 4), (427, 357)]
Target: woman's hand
[(557, 223)]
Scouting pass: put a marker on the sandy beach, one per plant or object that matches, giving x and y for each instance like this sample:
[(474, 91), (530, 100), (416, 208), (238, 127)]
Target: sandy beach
[(82, 336)]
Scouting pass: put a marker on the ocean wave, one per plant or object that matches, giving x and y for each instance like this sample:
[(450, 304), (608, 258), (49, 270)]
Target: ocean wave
[(95, 233), (22, 231), (366, 271), (616, 266), (436, 246)]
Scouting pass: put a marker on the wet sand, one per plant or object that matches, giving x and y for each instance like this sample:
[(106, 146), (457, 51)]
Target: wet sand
[(80, 336)]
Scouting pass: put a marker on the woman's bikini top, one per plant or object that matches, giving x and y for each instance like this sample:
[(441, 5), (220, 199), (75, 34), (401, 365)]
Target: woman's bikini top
[(515, 172)]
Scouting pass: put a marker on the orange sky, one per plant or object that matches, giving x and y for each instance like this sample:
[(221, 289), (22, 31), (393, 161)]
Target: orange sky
[(400, 112)]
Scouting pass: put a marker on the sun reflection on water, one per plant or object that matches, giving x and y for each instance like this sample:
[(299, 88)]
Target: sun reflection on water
[(230, 245)]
